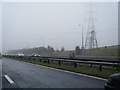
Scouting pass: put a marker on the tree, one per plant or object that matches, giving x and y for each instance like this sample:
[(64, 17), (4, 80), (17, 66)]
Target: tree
[(50, 49), (62, 49), (57, 50), (77, 50)]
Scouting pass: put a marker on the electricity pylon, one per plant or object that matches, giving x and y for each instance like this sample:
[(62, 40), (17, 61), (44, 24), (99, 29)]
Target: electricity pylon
[(91, 40)]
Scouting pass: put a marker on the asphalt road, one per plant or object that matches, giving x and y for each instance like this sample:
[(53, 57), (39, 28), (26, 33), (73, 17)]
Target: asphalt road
[(0, 73), (26, 75)]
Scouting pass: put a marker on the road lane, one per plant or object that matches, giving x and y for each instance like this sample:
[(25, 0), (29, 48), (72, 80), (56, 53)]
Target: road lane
[(27, 75), (0, 72), (7, 84)]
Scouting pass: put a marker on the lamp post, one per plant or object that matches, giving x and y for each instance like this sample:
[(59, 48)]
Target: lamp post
[(82, 38)]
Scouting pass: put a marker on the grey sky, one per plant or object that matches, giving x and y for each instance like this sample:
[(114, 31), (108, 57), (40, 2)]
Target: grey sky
[(0, 27), (56, 24)]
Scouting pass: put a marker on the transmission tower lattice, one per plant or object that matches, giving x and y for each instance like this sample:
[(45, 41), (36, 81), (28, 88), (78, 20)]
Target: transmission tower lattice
[(91, 40)]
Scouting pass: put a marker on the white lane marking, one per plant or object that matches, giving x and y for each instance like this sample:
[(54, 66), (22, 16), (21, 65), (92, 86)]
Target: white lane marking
[(9, 79), (69, 72)]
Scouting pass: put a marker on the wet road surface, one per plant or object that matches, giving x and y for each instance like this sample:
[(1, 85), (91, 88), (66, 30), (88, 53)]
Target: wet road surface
[(26, 75), (0, 72)]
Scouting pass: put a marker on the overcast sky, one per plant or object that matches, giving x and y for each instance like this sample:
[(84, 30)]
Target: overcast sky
[(0, 27), (32, 24)]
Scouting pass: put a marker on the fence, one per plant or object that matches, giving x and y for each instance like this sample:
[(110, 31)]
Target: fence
[(99, 62)]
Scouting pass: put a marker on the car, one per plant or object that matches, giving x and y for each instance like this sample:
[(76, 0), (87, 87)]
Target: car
[(20, 54), (113, 82), (35, 55)]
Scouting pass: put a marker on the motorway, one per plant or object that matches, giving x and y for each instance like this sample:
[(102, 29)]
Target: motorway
[(0, 73), (27, 75)]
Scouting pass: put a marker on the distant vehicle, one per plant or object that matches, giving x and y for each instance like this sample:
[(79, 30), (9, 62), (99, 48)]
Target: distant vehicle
[(20, 54), (35, 55), (113, 82)]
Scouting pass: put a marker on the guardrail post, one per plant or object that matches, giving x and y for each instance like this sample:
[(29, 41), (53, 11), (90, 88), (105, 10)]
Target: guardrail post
[(19, 57), (34, 59), (40, 60), (48, 61), (75, 64), (59, 63), (43, 61), (118, 66), (91, 65), (100, 67)]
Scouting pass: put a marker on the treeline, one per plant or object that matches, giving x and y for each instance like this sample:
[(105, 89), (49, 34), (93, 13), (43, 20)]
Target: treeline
[(36, 50), (44, 51)]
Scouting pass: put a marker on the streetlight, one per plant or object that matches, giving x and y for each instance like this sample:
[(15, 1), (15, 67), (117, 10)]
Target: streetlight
[(82, 38)]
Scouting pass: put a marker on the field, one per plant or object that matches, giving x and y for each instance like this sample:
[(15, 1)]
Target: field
[(102, 51), (109, 51)]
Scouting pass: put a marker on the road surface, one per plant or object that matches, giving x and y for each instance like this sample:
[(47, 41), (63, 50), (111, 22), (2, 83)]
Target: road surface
[(0, 72), (27, 75)]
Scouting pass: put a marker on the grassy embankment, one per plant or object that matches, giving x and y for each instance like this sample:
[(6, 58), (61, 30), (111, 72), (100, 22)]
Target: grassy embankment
[(101, 51)]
